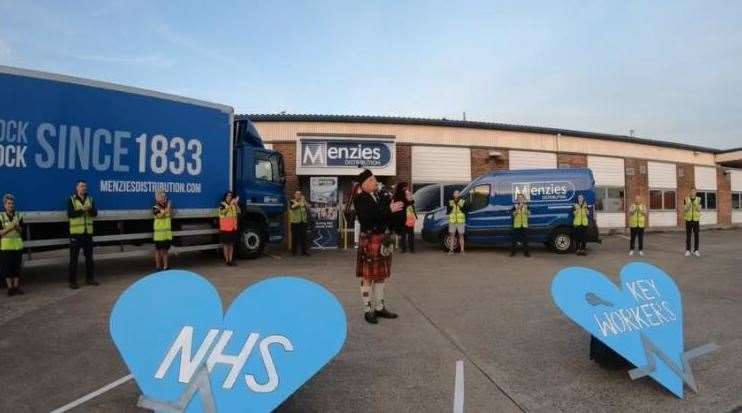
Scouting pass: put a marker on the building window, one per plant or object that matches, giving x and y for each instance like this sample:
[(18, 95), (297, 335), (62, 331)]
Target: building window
[(479, 197), (737, 200), (609, 198), (662, 199), (708, 199)]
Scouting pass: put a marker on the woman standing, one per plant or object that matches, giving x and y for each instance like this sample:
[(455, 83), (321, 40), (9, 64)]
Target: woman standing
[(374, 260), (163, 232), (409, 225), (580, 222), (11, 245), (637, 221), (399, 218), (229, 210)]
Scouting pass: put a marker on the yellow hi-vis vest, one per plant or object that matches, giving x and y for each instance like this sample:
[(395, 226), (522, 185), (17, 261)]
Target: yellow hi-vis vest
[(163, 228), (12, 240), (580, 212), (227, 217), (82, 224), (457, 214), (638, 217), (520, 217), (692, 209)]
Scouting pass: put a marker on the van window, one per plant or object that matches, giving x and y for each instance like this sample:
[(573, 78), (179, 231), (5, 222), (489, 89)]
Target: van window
[(448, 191), (479, 197), (428, 198)]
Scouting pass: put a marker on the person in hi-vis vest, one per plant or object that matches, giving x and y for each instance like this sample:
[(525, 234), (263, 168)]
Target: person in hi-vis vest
[(11, 245), (456, 221), (692, 218), (580, 221), (637, 222), (163, 231), (229, 211), (298, 219), (81, 212), (520, 213)]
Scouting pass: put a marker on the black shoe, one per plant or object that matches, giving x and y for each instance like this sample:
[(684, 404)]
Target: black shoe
[(370, 317), (228, 263), (92, 282), (74, 286), (384, 313), (527, 254), (18, 291), (512, 253)]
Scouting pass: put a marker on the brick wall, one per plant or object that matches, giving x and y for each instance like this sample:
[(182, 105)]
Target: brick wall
[(571, 160), (724, 196), (404, 163), (637, 183), (288, 150), (686, 181), (482, 162)]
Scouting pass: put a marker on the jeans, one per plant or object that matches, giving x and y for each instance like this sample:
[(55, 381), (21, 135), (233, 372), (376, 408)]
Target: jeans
[(519, 235), (298, 236), (580, 235), (691, 226), (84, 242), (637, 233), (407, 239)]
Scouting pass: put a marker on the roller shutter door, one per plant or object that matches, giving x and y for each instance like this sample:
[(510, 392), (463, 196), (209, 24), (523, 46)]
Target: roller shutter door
[(736, 187), (432, 164), (608, 171), (532, 160), (662, 175)]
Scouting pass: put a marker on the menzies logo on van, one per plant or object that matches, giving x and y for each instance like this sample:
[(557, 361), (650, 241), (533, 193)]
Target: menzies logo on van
[(345, 153), (544, 191)]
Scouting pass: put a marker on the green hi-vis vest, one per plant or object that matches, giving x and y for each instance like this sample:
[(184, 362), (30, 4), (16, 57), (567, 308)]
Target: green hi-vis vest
[(638, 218), (163, 228), (457, 214), (520, 217), (692, 209), (299, 214), (82, 224), (580, 212), (12, 240)]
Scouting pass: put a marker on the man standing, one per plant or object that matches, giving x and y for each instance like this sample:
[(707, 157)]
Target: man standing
[(637, 221), (374, 260), (580, 212), (692, 217), (81, 212), (456, 221), (520, 213), (11, 245), (298, 217)]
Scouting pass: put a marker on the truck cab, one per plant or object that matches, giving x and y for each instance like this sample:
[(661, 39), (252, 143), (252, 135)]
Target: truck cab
[(259, 180), (551, 194)]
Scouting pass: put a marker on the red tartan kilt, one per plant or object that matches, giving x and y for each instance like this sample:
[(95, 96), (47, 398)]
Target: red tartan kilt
[(370, 264)]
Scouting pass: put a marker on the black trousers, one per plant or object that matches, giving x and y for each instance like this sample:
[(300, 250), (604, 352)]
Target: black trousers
[(580, 234), (84, 242), (407, 238), (691, 226), (299, 237), (637, 233), (519, 235)]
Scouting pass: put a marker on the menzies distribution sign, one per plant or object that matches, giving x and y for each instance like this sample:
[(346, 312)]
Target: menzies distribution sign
[(344, 156)]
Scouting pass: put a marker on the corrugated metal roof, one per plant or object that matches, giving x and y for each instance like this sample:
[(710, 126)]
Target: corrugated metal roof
[(263, 117)]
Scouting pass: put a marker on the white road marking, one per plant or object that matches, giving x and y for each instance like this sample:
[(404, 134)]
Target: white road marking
[(458, 394), (94, 394), (624, 237)]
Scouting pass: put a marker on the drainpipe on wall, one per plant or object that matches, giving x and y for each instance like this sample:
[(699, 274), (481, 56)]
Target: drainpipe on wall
[(558, 135)]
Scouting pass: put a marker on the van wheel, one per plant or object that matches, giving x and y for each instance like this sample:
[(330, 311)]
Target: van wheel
[(561, 241), (252, 241), (447, 239)]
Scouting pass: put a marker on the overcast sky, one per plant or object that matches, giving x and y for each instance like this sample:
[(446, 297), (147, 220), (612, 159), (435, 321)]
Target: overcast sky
[(669, 70)]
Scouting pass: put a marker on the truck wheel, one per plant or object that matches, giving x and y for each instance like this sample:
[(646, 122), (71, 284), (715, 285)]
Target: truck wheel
[(447, 239), (252, 241), (561, 241)]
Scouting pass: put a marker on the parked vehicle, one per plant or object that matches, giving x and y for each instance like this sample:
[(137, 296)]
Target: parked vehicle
[(430, 197), (551, 194), (126, 143)]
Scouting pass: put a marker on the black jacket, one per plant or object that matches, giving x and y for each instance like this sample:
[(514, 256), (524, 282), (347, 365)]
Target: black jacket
[(373, 215)]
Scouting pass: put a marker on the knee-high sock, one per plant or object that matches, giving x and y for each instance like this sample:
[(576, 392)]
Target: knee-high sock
[(379, 296), (366, 297)]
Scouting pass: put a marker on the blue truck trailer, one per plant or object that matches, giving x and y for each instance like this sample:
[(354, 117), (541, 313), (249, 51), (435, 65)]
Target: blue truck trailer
[(126, 143), (550, 193)]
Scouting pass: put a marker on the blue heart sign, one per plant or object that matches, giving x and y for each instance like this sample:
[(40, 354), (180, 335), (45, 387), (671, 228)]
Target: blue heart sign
[(187, 354), (642, 319)]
